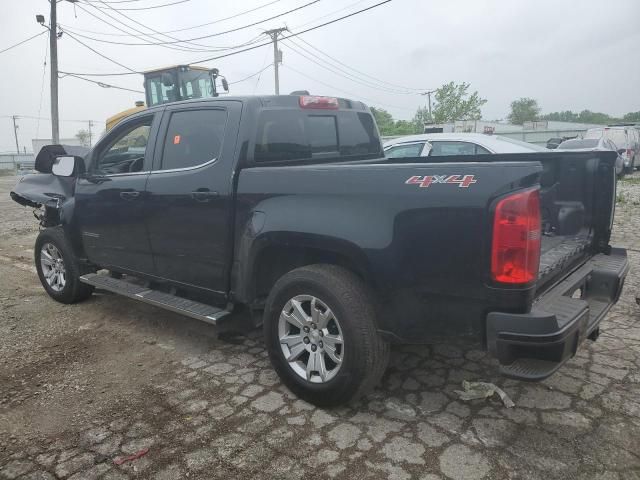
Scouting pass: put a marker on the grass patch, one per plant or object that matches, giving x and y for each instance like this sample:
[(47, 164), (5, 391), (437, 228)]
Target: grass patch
[(635, 180)]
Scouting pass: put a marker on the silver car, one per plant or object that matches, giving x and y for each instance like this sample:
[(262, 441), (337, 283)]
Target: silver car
[(444, 144), (594, 144), (626, 140)]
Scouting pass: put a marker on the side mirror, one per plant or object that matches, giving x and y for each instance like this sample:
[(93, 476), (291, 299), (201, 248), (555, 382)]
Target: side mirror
[(67, 166), (225, 84)]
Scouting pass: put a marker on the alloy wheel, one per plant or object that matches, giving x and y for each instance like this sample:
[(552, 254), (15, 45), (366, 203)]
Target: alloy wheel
[(53, 267), (311, 339)]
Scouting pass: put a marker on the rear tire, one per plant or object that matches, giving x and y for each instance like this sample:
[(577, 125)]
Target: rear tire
[(58, 268), (336, 305)]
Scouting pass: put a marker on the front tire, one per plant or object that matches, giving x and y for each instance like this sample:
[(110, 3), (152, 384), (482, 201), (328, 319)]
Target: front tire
[(58, 268), (321, 335)]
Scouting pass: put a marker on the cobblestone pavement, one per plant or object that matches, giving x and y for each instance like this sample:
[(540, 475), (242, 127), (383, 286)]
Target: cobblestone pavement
[(82, 385)]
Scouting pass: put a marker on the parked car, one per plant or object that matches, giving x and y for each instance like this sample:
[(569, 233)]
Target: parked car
[(626, 140), (592, 145), (443, 144), (283, 210), (553, 142)]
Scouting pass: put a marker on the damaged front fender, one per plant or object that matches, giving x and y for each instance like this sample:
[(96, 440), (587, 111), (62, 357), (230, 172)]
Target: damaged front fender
[(50, 194), (45, 191)]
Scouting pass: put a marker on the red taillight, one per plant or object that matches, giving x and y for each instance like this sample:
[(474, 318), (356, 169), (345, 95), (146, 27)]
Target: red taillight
[(629, 153), (325, 103), (515, 249)]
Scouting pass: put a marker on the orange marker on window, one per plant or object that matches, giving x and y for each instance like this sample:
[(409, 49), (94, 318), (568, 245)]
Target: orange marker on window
[(176, 140)]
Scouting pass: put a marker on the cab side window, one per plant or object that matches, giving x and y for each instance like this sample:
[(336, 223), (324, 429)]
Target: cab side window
[(400, 151), (443, 149), (126, 153), (193, 137)]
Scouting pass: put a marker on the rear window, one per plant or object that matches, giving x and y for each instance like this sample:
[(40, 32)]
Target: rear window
[(580, 143), (296, 135)]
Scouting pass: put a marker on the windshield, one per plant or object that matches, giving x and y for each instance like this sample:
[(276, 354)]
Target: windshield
[(196, 84), (580, 143), (172, 86)]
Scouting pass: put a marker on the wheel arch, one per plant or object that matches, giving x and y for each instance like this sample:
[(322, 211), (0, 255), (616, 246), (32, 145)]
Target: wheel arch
[(273, 255)]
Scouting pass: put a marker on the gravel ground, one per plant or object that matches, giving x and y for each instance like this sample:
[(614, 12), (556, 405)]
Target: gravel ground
[(83, 385)]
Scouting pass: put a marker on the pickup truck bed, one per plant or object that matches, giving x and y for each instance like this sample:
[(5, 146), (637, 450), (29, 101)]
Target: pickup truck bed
[(284, 210)]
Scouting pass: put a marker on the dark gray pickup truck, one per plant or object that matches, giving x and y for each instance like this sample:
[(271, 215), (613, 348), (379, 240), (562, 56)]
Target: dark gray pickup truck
[(284, 210)]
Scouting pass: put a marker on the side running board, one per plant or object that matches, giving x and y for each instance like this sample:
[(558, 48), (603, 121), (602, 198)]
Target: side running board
[(189, 308)]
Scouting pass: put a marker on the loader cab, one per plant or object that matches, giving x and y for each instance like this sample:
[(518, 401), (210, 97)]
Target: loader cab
[(182, 82), (172, 84)]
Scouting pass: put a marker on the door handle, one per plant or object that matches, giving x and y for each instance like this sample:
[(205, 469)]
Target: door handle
[(129, 195), (203, 195)]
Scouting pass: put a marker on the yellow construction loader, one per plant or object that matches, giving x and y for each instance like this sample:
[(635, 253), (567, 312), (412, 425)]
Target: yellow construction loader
[(172, 84)]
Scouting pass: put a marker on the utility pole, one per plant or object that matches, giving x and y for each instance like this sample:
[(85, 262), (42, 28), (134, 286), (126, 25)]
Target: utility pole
[(15, 132), (53, 48), (90, 136), (277, 54), (428, 95)]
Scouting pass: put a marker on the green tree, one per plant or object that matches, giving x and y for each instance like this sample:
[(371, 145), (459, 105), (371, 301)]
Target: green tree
[(453, 102), (83, 137), (422, 117), (385, 121), (388, 126), (524, 110), (566, 116), (587, 116), (632, 117), (405, 127)]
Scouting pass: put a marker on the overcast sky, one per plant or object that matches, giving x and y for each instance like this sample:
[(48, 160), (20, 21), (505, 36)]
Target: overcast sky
[(568, 55)]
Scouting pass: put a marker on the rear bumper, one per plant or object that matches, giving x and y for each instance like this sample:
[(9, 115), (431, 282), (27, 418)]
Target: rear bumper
[(534, 345)]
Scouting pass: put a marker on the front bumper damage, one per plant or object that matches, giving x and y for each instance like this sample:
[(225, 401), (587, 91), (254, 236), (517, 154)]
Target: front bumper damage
[(532, 346)]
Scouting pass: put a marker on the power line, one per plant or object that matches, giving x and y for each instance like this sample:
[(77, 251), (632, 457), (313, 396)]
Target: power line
[(209, 48), (416, 90), (145, 8), (250, 76), (351, 94), (337, 70), (327, 14), (264, 63), (175, 39), (186, 28), (173, 42), (101, 54), (172, 47), (203, 60), (101, 84), (32, 117), (44, 71), (296, 34), (23, 41), (119, 74), (119, 1)]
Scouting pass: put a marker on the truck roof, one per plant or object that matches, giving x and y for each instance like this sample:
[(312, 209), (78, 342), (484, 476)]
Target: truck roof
[(285, 101)]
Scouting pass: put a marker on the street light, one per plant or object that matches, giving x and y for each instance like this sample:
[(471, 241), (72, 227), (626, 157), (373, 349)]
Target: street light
[(40, 19)]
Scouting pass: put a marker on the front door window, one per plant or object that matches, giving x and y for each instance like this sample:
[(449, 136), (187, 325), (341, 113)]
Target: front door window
[(126, 153)]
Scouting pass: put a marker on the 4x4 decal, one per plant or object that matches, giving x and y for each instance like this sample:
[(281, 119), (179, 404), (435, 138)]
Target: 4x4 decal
[(463, 181)]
